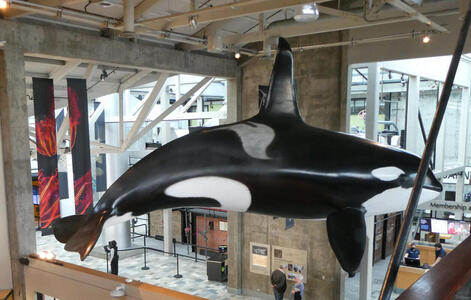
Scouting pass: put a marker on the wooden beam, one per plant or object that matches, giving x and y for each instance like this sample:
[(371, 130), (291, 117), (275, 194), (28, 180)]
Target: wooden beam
[(145, 6), (91, 69), (221, 12), (61, 72), (18, 12)]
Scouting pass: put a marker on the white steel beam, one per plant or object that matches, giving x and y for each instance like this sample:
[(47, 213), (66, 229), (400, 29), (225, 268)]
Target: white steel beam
[(416, 15), (121, 116), (196, 95), (221, 12), (91, 69), (131, 81), (147, 106), (96, 114), (63, 128), (61, 72), (169, 110)]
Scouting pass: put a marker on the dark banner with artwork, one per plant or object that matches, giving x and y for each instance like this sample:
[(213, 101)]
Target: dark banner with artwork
[(80, 144), (100, 158), (49, 205)]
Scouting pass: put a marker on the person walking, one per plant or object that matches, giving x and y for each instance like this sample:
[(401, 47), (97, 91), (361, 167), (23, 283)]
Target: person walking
[(278, 282)]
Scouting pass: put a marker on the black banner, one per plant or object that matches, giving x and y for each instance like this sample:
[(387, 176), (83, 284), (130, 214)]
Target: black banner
[(80, 144), (49, 205)]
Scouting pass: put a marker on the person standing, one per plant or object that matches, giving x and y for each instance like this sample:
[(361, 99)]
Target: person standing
[(413, 252), (298, 288), (439, 254), (278, 282)]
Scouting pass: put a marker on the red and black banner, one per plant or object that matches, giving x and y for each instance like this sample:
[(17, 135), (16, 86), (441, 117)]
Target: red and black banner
[(80, 144), (49, 205)]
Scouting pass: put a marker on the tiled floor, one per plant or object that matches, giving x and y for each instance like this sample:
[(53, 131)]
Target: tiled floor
[(194, 280)]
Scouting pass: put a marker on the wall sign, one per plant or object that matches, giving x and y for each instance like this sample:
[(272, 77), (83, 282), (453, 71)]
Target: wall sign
[(260, 258), (294, 260), (451, 206)]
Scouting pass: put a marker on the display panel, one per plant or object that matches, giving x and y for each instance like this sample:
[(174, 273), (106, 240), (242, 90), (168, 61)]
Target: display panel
[(440, 226), (458, 227), (425, 225)]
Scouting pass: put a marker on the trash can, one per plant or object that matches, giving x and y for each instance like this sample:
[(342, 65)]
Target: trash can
[(216, 268)]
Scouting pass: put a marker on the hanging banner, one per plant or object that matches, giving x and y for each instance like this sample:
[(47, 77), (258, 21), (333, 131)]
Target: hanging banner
[(49, 205), (80, 144)]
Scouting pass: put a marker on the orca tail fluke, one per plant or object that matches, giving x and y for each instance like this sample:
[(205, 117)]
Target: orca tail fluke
[(346, 231), (79, 232)]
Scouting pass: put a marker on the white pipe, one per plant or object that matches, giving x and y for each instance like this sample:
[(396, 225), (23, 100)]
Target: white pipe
[(128, 15)]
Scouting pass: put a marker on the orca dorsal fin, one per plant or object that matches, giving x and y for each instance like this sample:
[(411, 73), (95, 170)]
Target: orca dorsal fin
[(281, 98)]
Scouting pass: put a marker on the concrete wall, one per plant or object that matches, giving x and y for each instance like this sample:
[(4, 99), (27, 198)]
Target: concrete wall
[(157, 224), (318, 76)]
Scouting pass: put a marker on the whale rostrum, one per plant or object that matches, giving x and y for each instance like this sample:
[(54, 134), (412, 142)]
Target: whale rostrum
[(272, 164)]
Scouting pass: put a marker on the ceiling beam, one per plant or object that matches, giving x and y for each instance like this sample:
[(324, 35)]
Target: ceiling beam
[(221, 12), (169, 110), (18, 12), (131, 81), (147, 107), (416, 15), (91, 69), (142, 8), (61, 72)]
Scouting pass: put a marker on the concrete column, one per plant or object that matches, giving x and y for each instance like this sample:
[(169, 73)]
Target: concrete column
[(366, 266), (68, 205), (116, 165), (440, 145), (235, 232), (5, 276), (372, 102), (168, 233), (165, 138), (16, 163), (412, 121)]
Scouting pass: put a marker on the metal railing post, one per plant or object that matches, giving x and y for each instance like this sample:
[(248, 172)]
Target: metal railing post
[(178, 275), (145, 267)]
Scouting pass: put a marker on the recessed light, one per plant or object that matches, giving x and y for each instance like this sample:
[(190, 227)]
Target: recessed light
[(105, 4)]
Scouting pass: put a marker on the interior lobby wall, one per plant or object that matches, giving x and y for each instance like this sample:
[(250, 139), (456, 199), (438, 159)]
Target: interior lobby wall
[(157, 224), (318, 78)]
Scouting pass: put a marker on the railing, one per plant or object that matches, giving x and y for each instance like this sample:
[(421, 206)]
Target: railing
[(174, 253)]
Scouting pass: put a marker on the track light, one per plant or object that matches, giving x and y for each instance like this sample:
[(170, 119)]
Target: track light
[(4, 4), (426, 39), (237, 55), (103, 75), (306, 13), (192, 22)]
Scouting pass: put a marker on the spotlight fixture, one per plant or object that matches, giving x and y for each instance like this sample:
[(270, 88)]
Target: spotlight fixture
[(3, 4), (426, 39), (306, 13), (192, 22), (237, 55), (103, 75)]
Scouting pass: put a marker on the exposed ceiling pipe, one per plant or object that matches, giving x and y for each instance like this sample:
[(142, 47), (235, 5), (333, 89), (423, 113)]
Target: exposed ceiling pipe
[(128, 17)]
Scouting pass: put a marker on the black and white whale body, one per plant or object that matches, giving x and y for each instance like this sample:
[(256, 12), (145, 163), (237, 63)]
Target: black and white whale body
[(271, 164)]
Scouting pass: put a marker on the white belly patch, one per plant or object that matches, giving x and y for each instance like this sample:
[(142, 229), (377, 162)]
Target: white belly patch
[(231, 194), (387, 173), (116, 220), (395, 199)]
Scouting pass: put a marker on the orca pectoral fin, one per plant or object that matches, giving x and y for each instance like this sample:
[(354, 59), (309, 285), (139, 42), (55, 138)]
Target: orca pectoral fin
[(346, 230)]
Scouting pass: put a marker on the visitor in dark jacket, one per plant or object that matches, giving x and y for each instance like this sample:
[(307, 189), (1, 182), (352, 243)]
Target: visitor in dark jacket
[(278, 282)]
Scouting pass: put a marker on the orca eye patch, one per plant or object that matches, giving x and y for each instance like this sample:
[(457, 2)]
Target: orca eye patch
[(387, 173)]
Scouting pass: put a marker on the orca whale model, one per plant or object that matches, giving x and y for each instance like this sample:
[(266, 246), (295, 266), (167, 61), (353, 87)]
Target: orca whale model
[(271, 164)]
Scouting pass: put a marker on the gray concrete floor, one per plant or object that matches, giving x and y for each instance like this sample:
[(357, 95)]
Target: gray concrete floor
[(194, 280)]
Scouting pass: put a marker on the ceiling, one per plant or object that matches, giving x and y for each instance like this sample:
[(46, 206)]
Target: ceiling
[(226, 26)]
